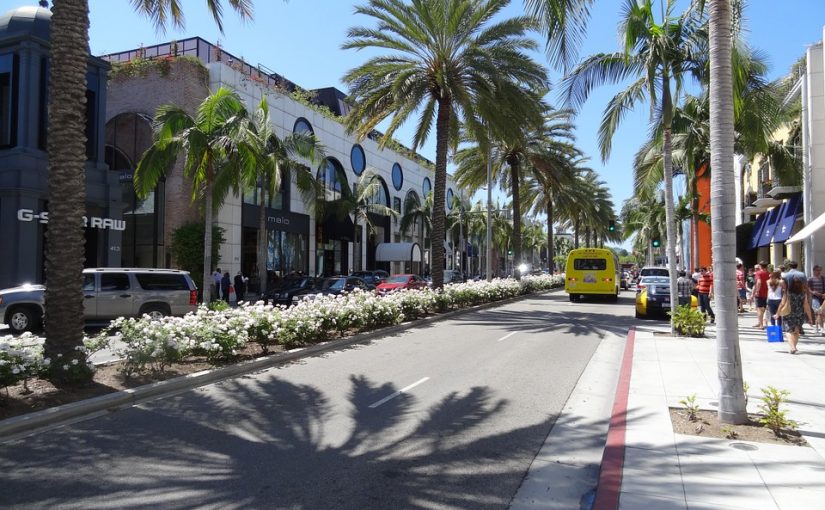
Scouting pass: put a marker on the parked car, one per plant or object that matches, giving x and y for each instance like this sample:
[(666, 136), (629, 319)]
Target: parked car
[(653, 297), (108, 293), (450, 276), (285, 290), (626, 280), (400, 281), (372, 277), (333, 286)]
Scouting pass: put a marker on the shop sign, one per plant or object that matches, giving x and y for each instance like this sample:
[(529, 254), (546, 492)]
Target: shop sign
[(278, 220), (93, 222)]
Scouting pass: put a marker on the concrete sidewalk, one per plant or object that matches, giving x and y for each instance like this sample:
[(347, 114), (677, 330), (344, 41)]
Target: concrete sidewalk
[(673, 471)]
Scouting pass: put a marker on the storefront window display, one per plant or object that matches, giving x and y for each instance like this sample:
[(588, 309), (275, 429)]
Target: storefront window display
[(287, 252)]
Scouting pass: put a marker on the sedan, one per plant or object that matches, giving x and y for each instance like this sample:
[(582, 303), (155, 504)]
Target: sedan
[(333, 286), (401, 281), (653, 297), (283, 293)]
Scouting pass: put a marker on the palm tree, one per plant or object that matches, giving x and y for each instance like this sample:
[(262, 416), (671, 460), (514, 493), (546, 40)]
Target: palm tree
[(419, 214), (447, 60), (643, 218), (361, 201), (217, 154), (69, 32), (731, 395), (658, 55), (564, 22), (276, 160)]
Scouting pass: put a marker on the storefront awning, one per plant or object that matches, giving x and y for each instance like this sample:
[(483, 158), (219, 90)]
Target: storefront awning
[(756, 233), (398, 252), (787, 218), (770, 226), (809, 229)]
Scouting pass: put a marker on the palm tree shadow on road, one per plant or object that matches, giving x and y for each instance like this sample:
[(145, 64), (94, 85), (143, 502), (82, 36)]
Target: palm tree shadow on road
[(260, 441)]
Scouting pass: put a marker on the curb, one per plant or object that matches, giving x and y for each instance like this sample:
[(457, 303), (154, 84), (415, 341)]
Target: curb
[(33, 422), (610, 475)]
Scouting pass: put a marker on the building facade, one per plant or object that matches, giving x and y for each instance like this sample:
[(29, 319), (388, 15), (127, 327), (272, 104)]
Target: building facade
[(24, 71), (126, 230)]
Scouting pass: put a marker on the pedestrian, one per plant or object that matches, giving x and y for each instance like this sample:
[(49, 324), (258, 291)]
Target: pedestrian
[(775, 294), (750, 282), (760, 292), (704, 292), (793, 273), (796, 294), (215, 288), (225, 284), (740, 288), (684, 286), (240, 286), (816, 286)]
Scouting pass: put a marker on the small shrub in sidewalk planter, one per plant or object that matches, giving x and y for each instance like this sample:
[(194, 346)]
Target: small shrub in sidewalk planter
[(689, 321), (775, 418)]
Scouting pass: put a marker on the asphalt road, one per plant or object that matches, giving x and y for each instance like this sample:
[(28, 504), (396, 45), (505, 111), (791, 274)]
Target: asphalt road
[(449, 415)]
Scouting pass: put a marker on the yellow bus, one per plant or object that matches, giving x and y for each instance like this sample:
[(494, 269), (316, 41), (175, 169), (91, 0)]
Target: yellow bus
[(592, 271)]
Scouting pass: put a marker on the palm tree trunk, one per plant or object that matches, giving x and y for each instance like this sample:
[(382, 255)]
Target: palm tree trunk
[(694, 230), (67, 190), (263, 276), (576, 232), (442, 128), (650, 261), (355, 244), (670, 222), (514, 176), (731, 395), (207, 235), (551, 251)]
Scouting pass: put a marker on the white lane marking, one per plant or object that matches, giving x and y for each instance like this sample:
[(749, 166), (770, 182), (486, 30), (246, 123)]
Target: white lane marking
[(505, 337), (399, 392)]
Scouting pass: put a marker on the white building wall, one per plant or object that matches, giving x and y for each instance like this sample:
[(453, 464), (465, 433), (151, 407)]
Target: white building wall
[(284, 111), (815, 185)]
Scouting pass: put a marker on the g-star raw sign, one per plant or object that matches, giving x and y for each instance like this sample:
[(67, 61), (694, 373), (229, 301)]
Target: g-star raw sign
[(93, 222)]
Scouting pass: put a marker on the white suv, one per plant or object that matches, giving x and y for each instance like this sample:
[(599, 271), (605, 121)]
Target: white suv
[(108, 293)]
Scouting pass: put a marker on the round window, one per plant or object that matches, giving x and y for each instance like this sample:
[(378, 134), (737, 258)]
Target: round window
[(450, 197), (397, 176), (357, 159), (426, 187), (302, 126)]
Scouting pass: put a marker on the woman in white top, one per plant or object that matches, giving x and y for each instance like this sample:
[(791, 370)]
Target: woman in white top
[(774, 297)]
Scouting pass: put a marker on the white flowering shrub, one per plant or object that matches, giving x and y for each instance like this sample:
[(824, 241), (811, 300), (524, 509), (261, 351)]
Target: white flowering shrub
[(219, 333), (21, 358)]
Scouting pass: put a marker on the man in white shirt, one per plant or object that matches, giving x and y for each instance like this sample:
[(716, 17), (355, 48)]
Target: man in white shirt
[(215, 288)]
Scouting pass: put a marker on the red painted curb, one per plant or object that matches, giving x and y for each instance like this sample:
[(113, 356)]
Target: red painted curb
[(610, 475)]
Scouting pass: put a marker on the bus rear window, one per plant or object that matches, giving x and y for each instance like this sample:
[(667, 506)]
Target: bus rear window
[(589, 264)]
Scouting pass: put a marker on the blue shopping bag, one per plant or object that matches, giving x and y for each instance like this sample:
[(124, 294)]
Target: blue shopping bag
[(774, 333)]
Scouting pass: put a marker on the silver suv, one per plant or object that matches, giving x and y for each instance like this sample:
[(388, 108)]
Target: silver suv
[(108, 293)]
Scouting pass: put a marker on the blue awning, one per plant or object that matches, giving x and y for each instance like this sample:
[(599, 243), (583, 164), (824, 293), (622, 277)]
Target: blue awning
[(770, 226), (756, 233), (788, 218)]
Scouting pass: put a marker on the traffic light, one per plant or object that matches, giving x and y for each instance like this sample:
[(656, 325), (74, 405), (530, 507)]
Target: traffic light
[(611, 226), (509, 252), (656, 243)]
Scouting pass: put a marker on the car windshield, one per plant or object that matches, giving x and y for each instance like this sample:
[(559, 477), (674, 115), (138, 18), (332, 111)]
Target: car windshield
[(655, 271), (397, 279), (334, 284)]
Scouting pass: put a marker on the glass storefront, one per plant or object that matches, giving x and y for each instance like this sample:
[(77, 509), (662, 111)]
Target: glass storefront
[(287, 252)]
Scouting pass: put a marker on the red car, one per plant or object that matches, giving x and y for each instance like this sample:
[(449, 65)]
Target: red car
[(401, 281)]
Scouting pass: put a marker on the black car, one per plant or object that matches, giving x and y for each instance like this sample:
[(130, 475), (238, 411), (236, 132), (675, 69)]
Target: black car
[(284, 291), (334, 286), (372, 277)]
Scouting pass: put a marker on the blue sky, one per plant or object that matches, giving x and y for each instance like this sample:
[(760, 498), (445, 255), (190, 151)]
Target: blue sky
[(301, 40)]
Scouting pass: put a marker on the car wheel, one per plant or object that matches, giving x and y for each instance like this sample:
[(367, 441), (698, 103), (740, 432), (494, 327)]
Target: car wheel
[(638, 315), (155, 312), (572, 298), (22, 320)]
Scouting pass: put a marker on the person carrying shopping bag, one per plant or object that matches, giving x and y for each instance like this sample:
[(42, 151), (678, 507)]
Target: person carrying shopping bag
[(794, 309)]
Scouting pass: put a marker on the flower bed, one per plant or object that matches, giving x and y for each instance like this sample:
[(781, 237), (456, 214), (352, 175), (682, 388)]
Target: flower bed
[(152, 346)]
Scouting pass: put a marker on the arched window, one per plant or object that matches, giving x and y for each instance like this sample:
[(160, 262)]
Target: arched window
[(427, 187), (302, 126), (357, 159), (397, 176), (382, 194), (331, 173)]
